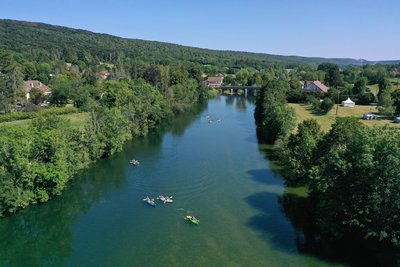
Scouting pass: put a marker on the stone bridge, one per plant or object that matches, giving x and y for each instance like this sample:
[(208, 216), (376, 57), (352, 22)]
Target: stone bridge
[(234, 88)]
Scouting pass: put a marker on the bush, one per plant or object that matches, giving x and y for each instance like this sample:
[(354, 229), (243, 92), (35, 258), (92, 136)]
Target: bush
[(327, 105), (315, 103), (366, 98), (14, 116)]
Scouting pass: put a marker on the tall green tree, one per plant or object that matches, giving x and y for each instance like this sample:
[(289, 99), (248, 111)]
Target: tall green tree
[(356, 181), (11, 83), (299, 154), (332, 74), (386, 103), (273, 116), (360, 86)]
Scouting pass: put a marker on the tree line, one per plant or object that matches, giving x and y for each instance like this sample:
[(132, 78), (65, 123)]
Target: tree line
[(352, 171), (37, 161)]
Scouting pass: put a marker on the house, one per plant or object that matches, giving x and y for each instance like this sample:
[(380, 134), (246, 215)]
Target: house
[(104, 74), (369, 116), (215, 81), (315, 86), (28, 85), (348, 103)]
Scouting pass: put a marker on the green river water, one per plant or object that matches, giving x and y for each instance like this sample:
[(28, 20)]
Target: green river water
[(215, 171)]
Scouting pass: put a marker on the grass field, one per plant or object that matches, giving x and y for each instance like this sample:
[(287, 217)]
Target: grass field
[(77, 120), (304, 111), (395, 82), (374, 88)]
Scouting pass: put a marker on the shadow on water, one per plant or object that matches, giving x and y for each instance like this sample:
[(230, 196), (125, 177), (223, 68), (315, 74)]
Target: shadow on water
[(352, 250), (301, 224), (178, 124), (266, 176), (41, 235)]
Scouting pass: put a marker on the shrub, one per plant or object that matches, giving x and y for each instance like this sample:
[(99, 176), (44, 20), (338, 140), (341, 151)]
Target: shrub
[(327, 105), (14, 116)]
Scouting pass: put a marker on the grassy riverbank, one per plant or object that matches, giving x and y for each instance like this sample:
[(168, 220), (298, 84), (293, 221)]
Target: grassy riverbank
[(77, 120), (304, 111)]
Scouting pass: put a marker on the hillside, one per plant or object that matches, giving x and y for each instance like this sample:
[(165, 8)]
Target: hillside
[(42, 42)]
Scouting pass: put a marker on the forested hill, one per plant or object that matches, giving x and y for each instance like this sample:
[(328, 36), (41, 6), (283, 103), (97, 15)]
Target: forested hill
[(42, 42)]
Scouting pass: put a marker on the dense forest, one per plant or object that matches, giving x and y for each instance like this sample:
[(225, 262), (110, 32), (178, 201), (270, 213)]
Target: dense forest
[(41, 42)]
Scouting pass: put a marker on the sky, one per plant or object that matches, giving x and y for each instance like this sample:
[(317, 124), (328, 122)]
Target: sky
[(360, 29)]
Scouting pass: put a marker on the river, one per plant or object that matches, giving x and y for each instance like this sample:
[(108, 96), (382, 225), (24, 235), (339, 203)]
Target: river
[(216, 171)]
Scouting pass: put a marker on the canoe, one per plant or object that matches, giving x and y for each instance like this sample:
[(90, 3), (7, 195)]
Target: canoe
[(165, 199), (149, 201), (193, 220), (135, 162)]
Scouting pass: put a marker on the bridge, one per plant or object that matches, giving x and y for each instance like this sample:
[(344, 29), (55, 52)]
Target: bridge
[(234, 88)]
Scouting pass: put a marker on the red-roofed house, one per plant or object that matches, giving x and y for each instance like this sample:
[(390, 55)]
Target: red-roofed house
[(104, 74), (214, 81), (28, 85), (315, 86)]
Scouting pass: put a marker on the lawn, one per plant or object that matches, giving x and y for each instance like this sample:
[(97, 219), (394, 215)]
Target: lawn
[(77, 120), (374, 88), (304, 111), (395, 82)]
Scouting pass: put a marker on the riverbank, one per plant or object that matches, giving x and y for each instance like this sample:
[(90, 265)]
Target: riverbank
[(39, 160), (215, 171)]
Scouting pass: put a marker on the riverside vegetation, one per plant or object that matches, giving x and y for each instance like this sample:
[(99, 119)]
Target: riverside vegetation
[(351, 171), (37, 161)]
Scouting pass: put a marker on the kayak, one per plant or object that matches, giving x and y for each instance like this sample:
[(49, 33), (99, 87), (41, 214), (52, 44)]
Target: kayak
[(135, 162), (149, 201), (193, 219), (165, 199)]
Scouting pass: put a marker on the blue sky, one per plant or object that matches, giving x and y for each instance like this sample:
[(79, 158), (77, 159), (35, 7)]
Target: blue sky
[(367, 29)]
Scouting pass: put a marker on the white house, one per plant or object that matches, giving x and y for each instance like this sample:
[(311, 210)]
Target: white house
[(348, 103)]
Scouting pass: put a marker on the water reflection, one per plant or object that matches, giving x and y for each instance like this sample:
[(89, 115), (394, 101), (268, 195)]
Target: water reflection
[(300, 210), (229, 100), (241, 103), (41, 235)]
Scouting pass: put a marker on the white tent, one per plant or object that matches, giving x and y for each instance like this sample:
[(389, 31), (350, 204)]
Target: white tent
[(348, 103)]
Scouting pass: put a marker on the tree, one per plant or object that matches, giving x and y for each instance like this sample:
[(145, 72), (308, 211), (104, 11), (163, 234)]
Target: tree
[(332, 74), (299, 154), (396, 100), (385, 104), (360, 86), (11, 85), (152, 75), (29, 70), (384, 85), (355, 181), (50, 150), (327, 105), (273, 116), (366, 98), (36, 96)]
